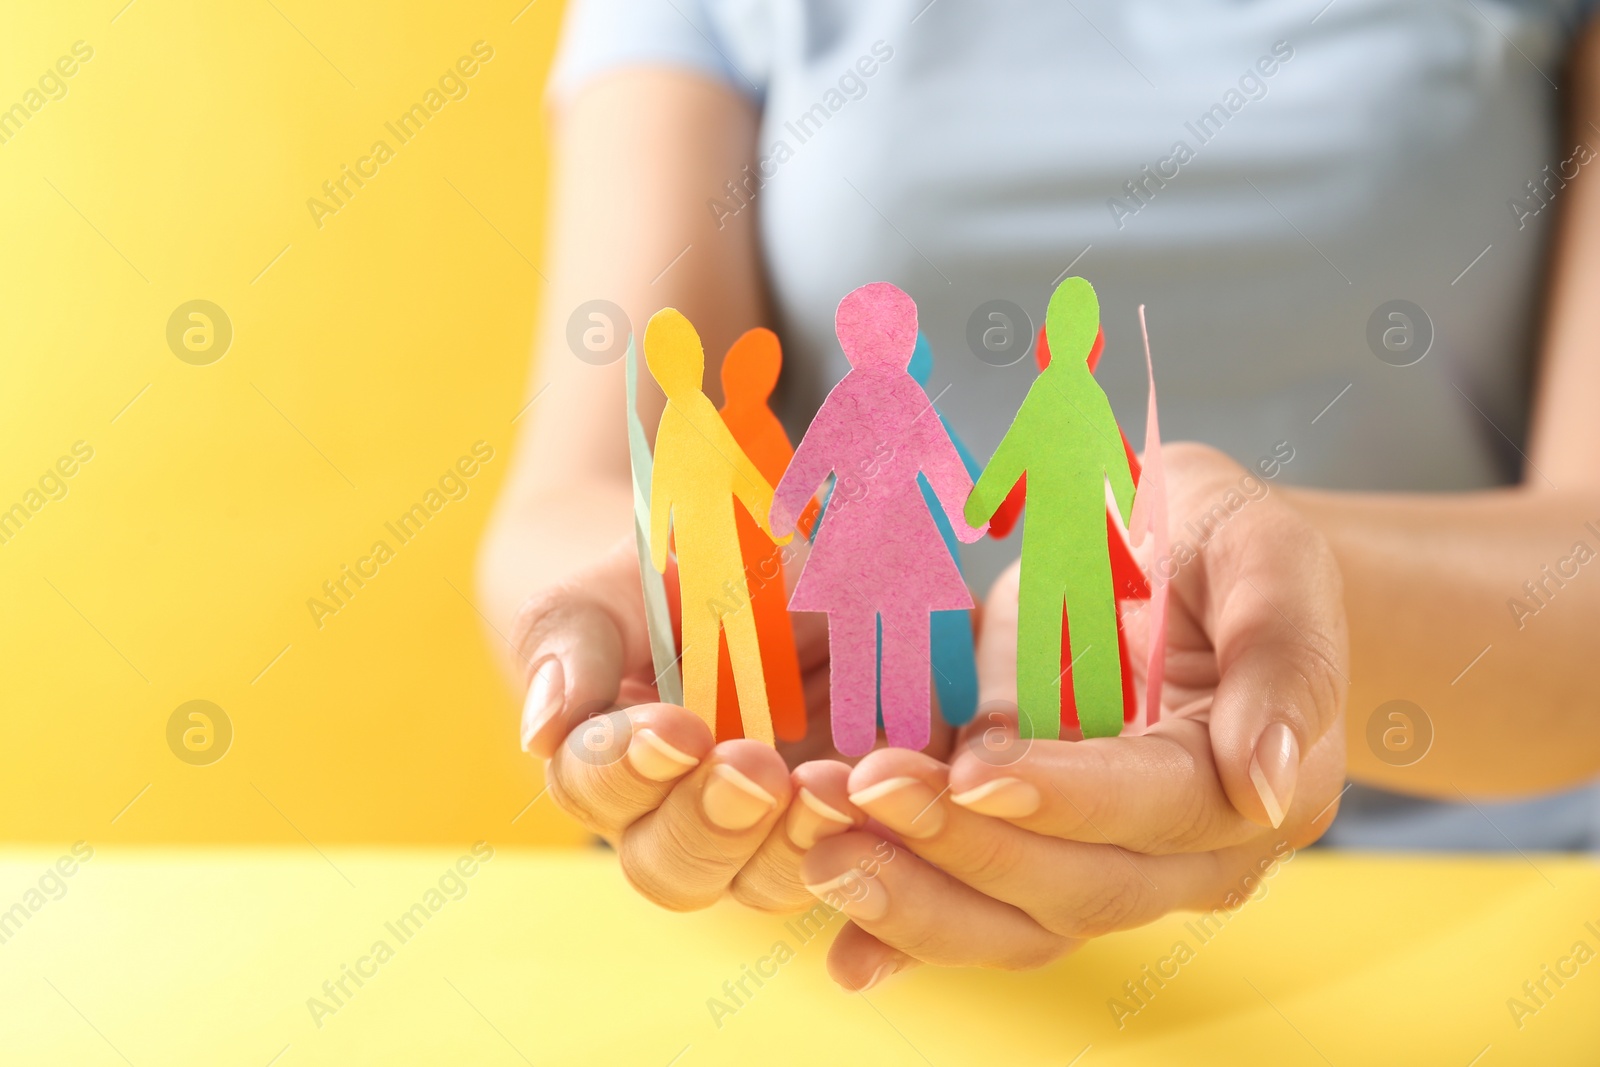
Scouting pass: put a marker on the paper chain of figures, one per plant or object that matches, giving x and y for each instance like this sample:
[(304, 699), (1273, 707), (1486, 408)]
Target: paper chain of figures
[(900, 492)]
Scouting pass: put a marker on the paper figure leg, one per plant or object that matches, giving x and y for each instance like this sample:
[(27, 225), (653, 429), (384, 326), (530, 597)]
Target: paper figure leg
[(1039, 656), (1096, 671), (744, 649), (700, 626), (779, 660), (1130, 696), (780, 663), (905, 684), (853, 688), (955, 666)]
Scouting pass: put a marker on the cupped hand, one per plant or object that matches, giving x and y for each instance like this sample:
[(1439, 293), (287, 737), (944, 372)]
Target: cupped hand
[(691, 820), (1016, 851)]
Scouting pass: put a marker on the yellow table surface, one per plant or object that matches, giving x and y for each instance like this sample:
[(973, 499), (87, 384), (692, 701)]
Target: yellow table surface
[(210, 957)]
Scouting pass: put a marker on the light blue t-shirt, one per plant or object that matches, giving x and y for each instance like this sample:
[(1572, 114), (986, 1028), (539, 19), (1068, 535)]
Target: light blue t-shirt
[(1269, 177)]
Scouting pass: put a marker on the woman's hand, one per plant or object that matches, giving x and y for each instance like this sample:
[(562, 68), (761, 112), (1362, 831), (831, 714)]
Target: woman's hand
[(690, 820), (1016, 851)]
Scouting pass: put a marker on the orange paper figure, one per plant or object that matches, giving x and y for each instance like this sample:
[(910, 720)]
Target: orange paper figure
[(699, 471), (749, 373)]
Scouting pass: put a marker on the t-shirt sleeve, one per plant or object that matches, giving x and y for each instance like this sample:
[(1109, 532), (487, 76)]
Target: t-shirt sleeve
[(601, 36)]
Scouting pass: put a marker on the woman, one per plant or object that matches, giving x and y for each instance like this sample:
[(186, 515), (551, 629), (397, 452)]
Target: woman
[(1356, 226)]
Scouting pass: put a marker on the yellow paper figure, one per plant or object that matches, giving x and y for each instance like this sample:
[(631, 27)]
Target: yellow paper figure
[(699, 471)]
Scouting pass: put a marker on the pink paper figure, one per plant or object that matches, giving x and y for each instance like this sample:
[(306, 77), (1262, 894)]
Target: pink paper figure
[(879, 553)]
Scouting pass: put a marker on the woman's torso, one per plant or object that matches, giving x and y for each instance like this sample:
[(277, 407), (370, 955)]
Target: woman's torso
[(1399, 150)]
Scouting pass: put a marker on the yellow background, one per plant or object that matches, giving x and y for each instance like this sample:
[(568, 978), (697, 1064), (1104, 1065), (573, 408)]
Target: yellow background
[(367, 356)]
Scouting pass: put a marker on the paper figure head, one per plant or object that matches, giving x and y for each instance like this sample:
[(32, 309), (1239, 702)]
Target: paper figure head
[(877, 327), (750, 369), (1041, 351), (673, 351), (1072, 321), (921, 367)]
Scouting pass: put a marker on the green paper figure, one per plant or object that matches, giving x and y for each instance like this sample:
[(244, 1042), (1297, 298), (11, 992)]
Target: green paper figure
[(1065, 439)]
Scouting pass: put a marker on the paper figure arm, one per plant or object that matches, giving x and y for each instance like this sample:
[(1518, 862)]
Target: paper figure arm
[(660, 510), (749, 487), (1006, 466), (806, 472), (947, 476), (1116, 457), (968, 460)]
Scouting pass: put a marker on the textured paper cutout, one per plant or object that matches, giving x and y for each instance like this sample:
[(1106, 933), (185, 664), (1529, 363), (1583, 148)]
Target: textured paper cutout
[(1150, 518), (1126, 577), (1006, 515), (749, 373), (952, 644), (699, 471), (1065, 438), (878, 552), (657, 613)]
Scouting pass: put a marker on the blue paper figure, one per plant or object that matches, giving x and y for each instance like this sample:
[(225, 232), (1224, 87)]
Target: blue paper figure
[(955, 665)]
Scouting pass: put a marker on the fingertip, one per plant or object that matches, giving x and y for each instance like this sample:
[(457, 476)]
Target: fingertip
[(884, 764), (747, 786), (821, 807), (757, 761), (543, 724), (903, 790), (857, 961), (658, 759), (1001, 798), (576, 657), (678, 726), (1274, 771)]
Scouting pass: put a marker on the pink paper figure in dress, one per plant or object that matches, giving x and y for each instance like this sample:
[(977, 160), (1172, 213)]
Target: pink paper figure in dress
[(879, 554)]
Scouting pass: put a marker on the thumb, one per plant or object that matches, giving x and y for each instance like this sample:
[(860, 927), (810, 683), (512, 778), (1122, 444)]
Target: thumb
[(997, 641), (1280, 646), (579, 639)]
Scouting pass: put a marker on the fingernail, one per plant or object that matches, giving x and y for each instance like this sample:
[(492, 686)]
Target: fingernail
[(855, 894), (732, 801), (1274, 768), (657, 760), (1004, 798), (905, 805), (878, 975), (544, 701), (811, 820)]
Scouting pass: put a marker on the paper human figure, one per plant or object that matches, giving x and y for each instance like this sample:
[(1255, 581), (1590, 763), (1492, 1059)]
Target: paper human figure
[(749, 373), (1126, 577), (951, 644), (699, 472), (657, 613), (878, 553), (1065, 439), (1150, 518)]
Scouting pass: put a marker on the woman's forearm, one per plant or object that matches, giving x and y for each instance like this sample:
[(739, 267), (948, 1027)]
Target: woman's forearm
[(1483, 610), (638, 155)]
